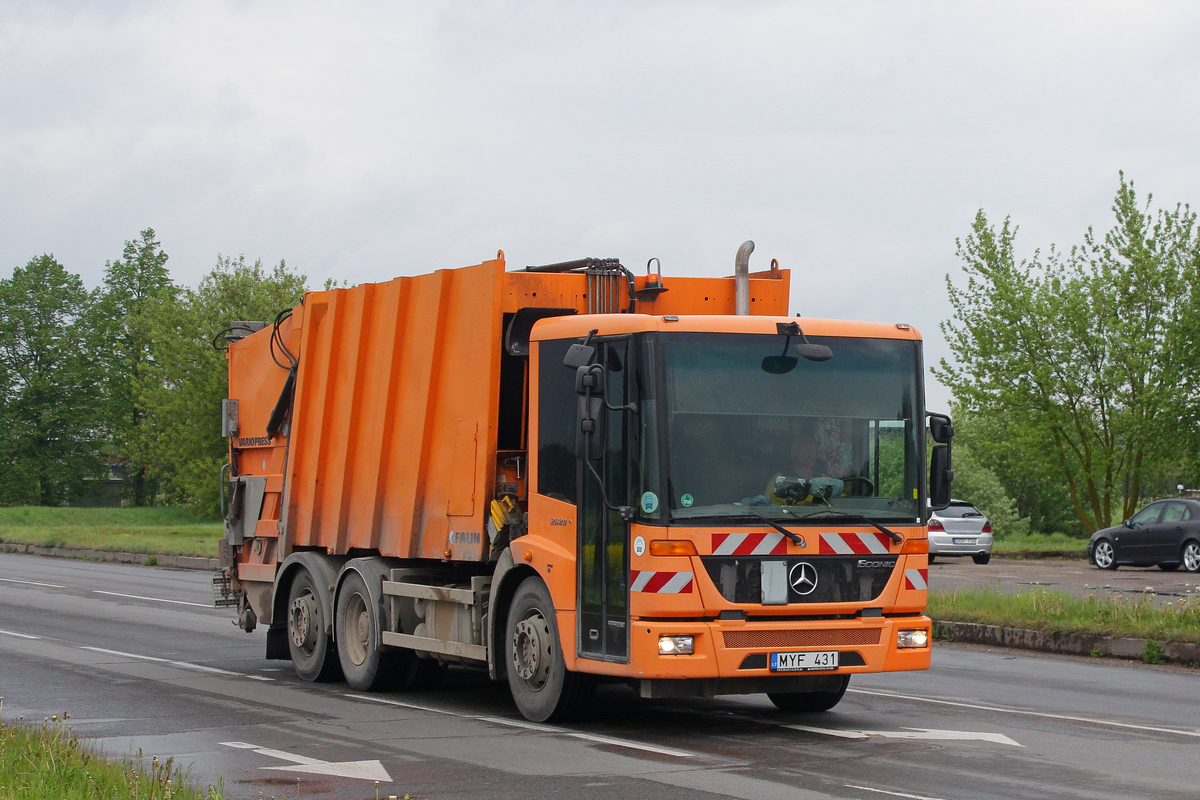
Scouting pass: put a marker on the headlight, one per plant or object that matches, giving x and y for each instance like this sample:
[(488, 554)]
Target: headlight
[(912, 638), (675, 645)]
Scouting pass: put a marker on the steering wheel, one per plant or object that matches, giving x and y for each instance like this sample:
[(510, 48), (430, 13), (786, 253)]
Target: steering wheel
[(860, 479)]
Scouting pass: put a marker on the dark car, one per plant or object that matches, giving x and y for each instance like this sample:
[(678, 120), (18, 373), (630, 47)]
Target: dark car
[(1166, 533)]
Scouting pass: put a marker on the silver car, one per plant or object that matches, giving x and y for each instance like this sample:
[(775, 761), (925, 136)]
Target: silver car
[(961, 529)]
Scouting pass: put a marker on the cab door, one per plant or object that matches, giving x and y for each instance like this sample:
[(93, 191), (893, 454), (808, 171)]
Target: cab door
[(603, 535)]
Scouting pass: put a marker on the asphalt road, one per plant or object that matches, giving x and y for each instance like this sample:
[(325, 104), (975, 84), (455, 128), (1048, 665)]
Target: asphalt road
[(1074, 576), (140, 662)]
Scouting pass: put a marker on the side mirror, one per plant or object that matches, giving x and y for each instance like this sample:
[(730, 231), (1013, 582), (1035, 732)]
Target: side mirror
[(814, 352), (589, 428), (940, 477), (1128, 523), (940, 428), (589, 431)]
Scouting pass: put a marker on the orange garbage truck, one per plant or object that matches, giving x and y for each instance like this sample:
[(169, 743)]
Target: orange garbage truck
[(571, 473)]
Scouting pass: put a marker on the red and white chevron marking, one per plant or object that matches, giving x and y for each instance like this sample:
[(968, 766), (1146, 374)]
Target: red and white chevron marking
[(748, 544), (661, 582), (853, 544), (916, 579)]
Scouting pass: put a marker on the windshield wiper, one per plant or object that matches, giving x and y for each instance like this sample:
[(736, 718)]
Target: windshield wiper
[(753, 515), (895, 537)]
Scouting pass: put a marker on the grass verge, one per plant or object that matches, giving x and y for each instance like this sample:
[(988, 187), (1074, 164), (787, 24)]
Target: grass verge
[(159, 531), (49, 761), (1041, 543), (1041, 610)]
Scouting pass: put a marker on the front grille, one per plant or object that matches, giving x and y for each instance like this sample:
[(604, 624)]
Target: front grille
[(840, 579), (825, 637)]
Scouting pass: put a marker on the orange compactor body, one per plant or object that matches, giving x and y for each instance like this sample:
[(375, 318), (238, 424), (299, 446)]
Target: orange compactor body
[(410, 486)]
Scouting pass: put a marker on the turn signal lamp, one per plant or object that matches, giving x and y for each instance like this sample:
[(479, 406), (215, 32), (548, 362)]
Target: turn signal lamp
[(907, 639), (915, 546), (987, 527), (935, 525), (675, 645), (669, 547)]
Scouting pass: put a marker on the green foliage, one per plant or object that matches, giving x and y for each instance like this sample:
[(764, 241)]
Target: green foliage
[(49, 416), (182, 388), (978, 485), (1152, 652), (155, 530), (1060, 612), (1025, 463), (50, 761), (131, 284), (1087, 351)]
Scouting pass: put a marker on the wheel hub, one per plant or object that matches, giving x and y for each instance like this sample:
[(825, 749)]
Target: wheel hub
[(358, 630), (531, 650), (302, 622)]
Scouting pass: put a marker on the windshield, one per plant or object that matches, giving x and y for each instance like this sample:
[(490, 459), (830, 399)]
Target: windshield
[(742, 437)]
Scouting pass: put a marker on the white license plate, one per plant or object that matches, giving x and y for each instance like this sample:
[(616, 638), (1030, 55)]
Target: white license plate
[(965, 541), (800, 662)]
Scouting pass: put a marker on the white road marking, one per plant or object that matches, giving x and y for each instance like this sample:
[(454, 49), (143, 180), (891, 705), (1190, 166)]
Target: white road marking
[(155, 599), (181, 664), (533, 726), (371, 770), (893, 794), (20, 635), (929, 734), (1022, 712), (34, 583)]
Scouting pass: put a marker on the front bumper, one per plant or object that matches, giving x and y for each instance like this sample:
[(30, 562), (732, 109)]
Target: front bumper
[(942, 544), (740, 649)]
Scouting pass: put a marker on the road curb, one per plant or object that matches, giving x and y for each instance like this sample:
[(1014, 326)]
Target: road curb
[(171, 562), (1079, 644)]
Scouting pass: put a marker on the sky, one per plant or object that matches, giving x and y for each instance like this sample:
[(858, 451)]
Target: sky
[(852, 141)]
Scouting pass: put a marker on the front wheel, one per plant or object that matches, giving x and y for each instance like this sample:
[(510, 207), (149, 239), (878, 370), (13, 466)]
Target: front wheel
[(309, 643), (1191, 557), (537, 676), (809, 702), (1103, 555)]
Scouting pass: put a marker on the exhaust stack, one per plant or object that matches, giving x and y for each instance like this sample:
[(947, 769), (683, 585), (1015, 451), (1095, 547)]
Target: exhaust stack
[(741, 278)]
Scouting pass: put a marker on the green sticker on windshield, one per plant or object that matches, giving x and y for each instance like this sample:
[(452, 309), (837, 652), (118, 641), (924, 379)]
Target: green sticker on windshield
[(686, 501), (649, 502)]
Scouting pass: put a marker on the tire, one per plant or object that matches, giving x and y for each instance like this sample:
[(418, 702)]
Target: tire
[(1104, 556), (932, 558), (981, 558), (1168, 567), (1191, 556), (809, 702), (313, 656), (541, 686), (356, 627)]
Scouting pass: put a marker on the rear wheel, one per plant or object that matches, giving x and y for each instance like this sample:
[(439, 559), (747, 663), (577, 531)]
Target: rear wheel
[(366, 667), (809, 702), (309, 644), (981, 558), (932, 558), (541, 685), (1191, 556), (1103, 555)]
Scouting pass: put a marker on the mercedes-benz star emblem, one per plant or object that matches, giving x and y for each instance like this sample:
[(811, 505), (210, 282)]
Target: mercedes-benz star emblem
[(803, 578)]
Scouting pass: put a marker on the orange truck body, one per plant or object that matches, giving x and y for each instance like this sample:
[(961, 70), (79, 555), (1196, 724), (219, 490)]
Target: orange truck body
[(390, 430)]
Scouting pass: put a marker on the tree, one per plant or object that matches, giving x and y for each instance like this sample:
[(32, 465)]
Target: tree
[(182, 388), (982, 488), (49, 425), (131, 283), (1084, 350)]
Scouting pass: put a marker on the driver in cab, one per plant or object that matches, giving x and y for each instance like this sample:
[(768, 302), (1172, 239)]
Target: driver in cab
[(807, 479)]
